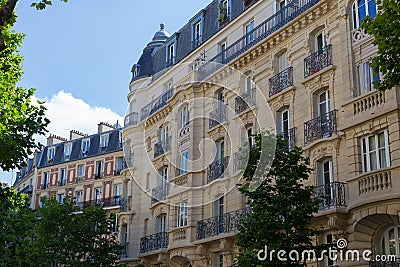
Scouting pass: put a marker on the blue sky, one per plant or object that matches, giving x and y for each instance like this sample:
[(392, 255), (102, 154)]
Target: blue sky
[(78, 55)]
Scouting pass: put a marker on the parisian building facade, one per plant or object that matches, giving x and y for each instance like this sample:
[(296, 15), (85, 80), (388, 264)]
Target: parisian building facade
[(301, 68)]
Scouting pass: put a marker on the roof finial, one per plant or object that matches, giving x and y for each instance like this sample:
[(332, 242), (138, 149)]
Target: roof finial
[(162, 26)]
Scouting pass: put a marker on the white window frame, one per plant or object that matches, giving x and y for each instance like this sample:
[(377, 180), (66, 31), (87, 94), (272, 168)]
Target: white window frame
[(326, 102), (247, 29), (367, 151), (83, 170), (184, 162), (104, 138), (182, 214), (323, 40), (365, 78), (67, 151), (282, 62), (63, 175), (385, 240), (85, 146), (171, 52), (51, 152), (355, 13), (99, 168), (184, 116), (161, 223)]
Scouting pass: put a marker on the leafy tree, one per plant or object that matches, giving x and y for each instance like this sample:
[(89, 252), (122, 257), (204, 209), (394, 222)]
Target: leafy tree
[(385, 28), (281, 207), (15, 221), (66, 237), (71, 239), (20, 117)]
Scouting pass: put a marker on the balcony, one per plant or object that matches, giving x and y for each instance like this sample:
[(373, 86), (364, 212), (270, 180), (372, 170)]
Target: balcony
[(218, 225), (131, 119), (290, 137), (388, 263), (27, 189), (359, 35), (321, 127), (217, 116), (332, 195), (281, 81), (318, 61), (217, 169), (260, 33), (79, 179), (245, 101), (156, 105), (159, 193), (122, 202), (154, 242), (162, 147)]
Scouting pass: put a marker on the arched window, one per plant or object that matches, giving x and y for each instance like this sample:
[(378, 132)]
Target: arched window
[(361, 9), (390, 242)]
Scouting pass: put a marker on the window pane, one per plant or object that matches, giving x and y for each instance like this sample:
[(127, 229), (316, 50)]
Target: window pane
[(392, 242), (361, 11), (367, 77), (382, 150), (372, 8), (359, 80), (372, 153)]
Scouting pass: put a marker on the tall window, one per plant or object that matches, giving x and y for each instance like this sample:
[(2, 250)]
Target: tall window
[(324, 103), (118, 165), (220, 153), (171, 54), (45, 180), (365, 78), (282, 62), (184, 116), (85, 146), (182, 214), (324, 172), (375, 151), (62, 177), (320, 41), (79, 196), (219, 213), (81, 171), (197, 33), (164, 136), (99, 169), (98, 195), (50, 154), (249, 32), (250, 137), (283, 121), (161, 223), (67, 151), (117, 194), (218, 259), (221, 49), (104, 142), (361, 9), (60, 198), (184, 162), (390, 241)]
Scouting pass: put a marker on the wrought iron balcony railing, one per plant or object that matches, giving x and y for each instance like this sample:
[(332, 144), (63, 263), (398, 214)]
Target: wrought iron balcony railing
[(318, 61), (217, 169), (154, 242), (159, 193), (27, 189), (217, 116), (281, 81), (223, 224), (122, 202), (290, 137), (131, 119), (162, 147), (156, 104), (320, 127), (395, 263), (245, 101), (262, 31), (331, 195)]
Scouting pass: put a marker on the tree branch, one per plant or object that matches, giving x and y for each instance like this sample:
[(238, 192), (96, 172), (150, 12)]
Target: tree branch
[(6, 12)]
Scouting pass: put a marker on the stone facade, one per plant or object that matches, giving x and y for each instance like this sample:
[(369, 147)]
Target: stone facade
[(302, 72)]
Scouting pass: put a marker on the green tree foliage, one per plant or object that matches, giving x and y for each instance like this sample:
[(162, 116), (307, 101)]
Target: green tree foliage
[(71, 238), (20, 117), (15, 221), (386, 31), (281, 207)]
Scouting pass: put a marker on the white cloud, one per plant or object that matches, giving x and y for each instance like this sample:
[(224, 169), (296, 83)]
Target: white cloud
[(66, 113)]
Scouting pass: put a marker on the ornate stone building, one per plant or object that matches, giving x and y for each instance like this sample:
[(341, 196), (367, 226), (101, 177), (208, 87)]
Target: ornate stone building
[(300, 67)]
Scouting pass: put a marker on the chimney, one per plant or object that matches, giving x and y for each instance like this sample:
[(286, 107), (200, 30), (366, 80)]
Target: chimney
[(55, 139), (74, 134), (104, 127)]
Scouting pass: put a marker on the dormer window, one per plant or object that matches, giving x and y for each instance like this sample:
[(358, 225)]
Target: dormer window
[(67, 151), (50, 154), (197, 29), (104, 142), (85, 147), (171, 55)]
